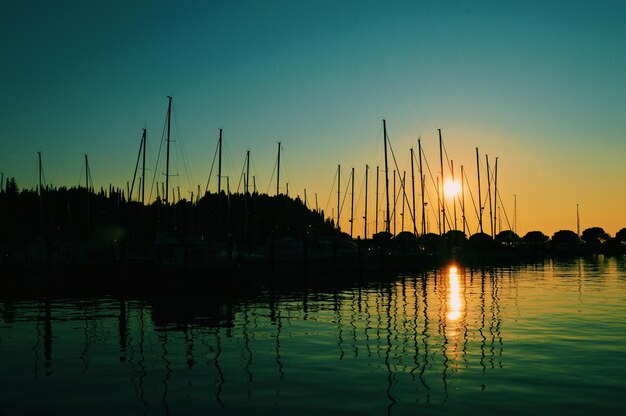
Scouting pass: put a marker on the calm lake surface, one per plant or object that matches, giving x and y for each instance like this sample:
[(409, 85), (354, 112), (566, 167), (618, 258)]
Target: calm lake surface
[(537, 339)]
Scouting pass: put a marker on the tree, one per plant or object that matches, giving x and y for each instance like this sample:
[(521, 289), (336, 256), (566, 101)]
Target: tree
[(535, 238), (507, 237), (565, 240), (594, 235), (11, 187), (621, 235), (480, 241)]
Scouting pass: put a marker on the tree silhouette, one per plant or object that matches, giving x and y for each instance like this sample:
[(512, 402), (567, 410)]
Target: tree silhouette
[(594, 235), (535, 238), (507, 237)]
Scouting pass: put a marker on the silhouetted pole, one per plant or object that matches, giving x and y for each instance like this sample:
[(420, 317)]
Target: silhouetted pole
[(438, 208), (443, 202), (413, 192), (403, 197), (338, 194), (365, 216), (167, 160), (143, 170), (577, 221), (394, 202), (278, 171), (247, 178), (480, 200), (305, 202), (388, 226), (316, 206), (419, 145), (352, 205), (495, 201), (453, 196), (515, 213), (377, 197), (463, 197), (254, 184), (178, 190), (489, 195), (218, 210)]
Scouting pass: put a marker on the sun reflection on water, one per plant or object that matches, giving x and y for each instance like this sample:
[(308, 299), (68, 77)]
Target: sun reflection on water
[(455, 302)]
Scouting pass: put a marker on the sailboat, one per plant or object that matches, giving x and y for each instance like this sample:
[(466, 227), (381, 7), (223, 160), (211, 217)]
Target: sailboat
[(176, 251)]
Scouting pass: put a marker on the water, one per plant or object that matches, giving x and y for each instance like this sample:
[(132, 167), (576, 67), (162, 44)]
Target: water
[(539, 339)]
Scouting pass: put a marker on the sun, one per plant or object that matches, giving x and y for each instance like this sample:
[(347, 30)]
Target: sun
[(452, 188)]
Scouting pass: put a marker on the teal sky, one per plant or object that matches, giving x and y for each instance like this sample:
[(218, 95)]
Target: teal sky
[(540, 84)]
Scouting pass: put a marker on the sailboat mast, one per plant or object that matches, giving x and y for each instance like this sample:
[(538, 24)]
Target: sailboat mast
[(489, 195), (443, 201), (402, 183), (352, 205), (365, 216), (395, 199), (143, 170), (438, 208), (495, 200), (515, 213), (278, 171), (86, 173), (419, 145), (453, 196), (338, 193), (480, 200), (247, 171), (167, 160), (463, 198), (577, 221), (219, 165), (376, 205), (413, 191), (388, 223)]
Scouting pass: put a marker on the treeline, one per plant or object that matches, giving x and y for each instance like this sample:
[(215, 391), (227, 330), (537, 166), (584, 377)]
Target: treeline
[(507, 244), (249, 220), (76, 214)]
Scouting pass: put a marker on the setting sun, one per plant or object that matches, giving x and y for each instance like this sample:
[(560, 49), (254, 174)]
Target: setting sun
[(452, 189)]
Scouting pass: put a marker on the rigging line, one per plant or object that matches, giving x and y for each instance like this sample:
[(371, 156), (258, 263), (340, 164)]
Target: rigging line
[(398, 170), (358, 201), (80, 177), (503, 209), (432, 208), (182, 150), (217, 146), (430, 173), (471, 195), (445, 152), (156, 166), (90, 177), (243, 171), (332, 188), (272, 177), (345, 194), (288, 175)]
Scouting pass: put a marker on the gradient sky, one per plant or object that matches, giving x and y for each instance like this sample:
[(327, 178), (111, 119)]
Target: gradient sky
[(539, 84)]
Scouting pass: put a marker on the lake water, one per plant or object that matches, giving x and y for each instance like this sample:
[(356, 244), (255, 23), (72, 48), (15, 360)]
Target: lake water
[(536, 339)]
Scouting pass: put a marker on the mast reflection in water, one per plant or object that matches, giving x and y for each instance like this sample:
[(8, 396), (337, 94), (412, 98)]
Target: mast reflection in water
[(473, 341)]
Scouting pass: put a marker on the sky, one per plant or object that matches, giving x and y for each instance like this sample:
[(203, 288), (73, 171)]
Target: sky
[(541, 85)]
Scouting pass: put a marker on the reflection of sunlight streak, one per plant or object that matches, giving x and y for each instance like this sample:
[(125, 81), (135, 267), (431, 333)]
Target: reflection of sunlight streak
[(454, 296)]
